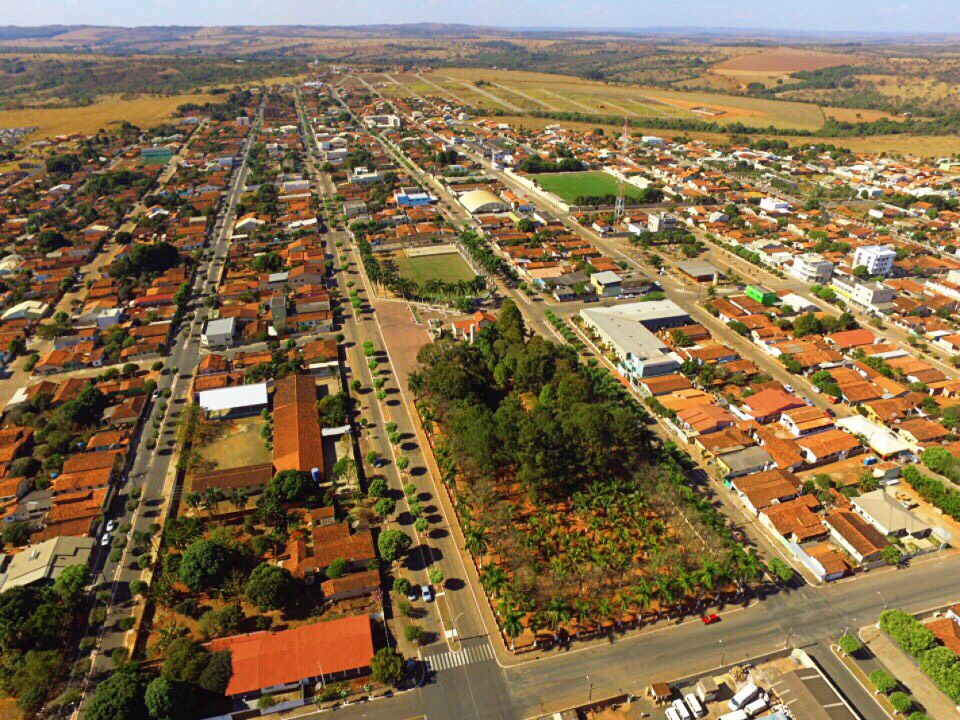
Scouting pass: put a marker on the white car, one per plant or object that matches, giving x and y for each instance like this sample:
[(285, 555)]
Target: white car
[(105, 540), (427, 592), (111, 525)]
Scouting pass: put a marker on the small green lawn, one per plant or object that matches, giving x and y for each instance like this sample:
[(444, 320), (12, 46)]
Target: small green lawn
[(449, 268), (569, 186)]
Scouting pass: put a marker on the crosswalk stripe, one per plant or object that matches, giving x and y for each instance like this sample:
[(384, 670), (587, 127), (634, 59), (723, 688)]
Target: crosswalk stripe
[(467, 656)]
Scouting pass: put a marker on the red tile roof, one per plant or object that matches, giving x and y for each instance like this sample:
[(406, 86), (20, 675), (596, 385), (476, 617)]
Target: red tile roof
[(265, 659), (297, 443)]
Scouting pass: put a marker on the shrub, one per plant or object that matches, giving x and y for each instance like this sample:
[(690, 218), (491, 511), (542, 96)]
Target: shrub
[(414, 633), (901, 701), (126, 623), (401, 586), (337, 568), (850, 644), (883, 681)]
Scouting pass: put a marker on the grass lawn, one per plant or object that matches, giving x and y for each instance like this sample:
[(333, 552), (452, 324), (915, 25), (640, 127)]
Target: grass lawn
[(449, 268), (570, 186)]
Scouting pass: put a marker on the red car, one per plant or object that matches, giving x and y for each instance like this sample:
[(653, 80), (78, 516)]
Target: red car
[(710, 619)]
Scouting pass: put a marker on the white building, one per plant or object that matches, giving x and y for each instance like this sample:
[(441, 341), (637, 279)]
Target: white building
[(661, 222), (219, 333), (774, 205), (811, 268), (867, 296), (878, 259), (628, 331)]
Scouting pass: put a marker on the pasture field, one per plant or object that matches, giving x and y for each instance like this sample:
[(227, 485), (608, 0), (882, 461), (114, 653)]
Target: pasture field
[(570, 186), (448, 268), (144, 112)]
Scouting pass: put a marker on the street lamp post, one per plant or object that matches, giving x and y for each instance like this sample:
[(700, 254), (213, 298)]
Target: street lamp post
[(882, 600), (723, 653)]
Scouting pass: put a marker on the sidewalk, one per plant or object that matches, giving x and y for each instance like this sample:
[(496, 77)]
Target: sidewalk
[(935, 703)]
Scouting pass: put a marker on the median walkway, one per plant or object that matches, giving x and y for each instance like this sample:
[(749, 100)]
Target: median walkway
[(935, 703)]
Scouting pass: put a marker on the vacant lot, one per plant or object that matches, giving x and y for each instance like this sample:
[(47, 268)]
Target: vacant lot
[(570, 186), (448, 268), (143, 112), (239, 444)]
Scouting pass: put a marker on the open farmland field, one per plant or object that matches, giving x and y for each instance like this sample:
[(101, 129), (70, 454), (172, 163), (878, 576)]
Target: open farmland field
[(570, 94), (920, 146), (570, 186), (785, 60), (143, 112), (448, 268)]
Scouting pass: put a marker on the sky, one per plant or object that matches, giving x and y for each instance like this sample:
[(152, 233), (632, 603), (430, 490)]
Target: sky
[(916, 16)]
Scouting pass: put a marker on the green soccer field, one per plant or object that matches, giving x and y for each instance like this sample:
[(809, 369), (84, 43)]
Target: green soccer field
[(449, 267), (569, 186)]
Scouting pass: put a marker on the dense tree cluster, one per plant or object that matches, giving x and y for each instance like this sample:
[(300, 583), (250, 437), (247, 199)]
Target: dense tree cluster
[(555, 470), (145, 259), (34, 624)]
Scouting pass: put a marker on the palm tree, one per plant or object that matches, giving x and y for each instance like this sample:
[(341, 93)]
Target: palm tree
[(512, 626), (493, 579), (239, 499), (210, 498), (475, 539), (558, 612), (193, 500), (604, 608)]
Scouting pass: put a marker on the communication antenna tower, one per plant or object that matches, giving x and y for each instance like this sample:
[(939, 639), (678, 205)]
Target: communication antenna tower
[(618, 210)]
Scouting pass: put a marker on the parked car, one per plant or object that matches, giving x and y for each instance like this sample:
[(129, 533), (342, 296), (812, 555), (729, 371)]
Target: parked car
[(111, 525), (413, 593), (710, 619), (105, 540), (427, 593)]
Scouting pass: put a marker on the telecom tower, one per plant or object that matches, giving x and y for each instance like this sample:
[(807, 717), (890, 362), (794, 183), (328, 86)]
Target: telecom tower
[(618, 210)]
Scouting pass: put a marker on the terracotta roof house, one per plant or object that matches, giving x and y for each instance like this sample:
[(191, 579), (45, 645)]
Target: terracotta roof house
[(723, 441), (768, 405), (796, 520), (763, 489), (706, 418), (806, 420), (297, 442), (312, 549), (290, 658), (349, 586), (252, 478), (828, 446), (920, 433), (855, 535), (849, 339), (947, 632), (663, 384)]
